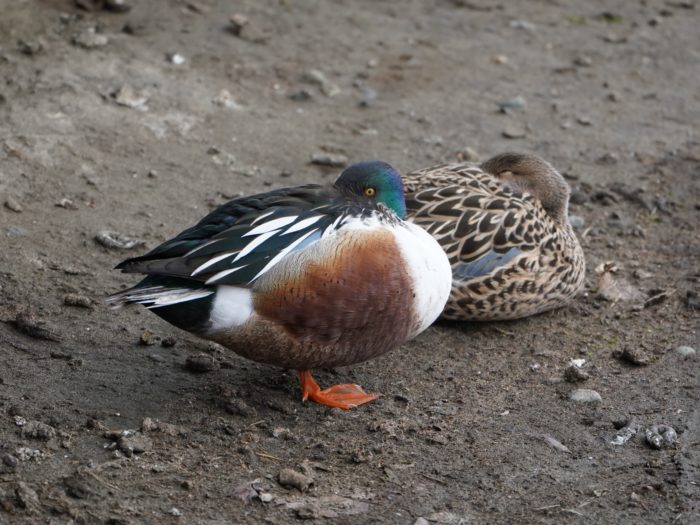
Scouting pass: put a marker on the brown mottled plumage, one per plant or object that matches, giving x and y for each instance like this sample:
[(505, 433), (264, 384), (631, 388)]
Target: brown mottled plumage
[(504, 226)]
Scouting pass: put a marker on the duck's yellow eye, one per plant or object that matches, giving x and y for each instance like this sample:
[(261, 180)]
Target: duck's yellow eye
[(369, 192)]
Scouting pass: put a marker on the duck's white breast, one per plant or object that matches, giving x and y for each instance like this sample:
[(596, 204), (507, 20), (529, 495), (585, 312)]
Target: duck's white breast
[(430, 271)]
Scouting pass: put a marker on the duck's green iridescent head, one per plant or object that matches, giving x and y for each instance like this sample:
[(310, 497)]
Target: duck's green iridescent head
[(376, 181)]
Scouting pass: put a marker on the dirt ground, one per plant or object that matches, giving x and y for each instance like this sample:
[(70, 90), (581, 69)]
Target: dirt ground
[(140, 122)]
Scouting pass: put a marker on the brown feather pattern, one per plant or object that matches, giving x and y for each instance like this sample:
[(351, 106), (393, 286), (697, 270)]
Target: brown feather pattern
[(472, 213)]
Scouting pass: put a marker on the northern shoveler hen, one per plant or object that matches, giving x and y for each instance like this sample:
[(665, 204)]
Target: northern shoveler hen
[(305, 277), (505, 228)]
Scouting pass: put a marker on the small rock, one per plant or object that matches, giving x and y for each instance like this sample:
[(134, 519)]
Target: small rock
[(281, 433), (135, 443), (33, 327), (584, 120), (38, 430), (633, 356), (613, 288), (148, 425), (148, 338), (168, 342), (574, 374), (170, 429), (9, 460), (225, 100), (80, 301), (641, 274), (117, 241), (175, 512), (291, 478), (334, 160), (30, 48), (522, 24), (131, 98), (685, 351), (67, 204), (583, 61), (237, 22), (246, 491), (692, 300), (577, 222), (135, 28), (79, 486), (176, 59), (303, 95), (584, 395), (421, 521), (555, 444), (512, 104), (12, 205), (253, 489), (114, 435), (27, 453), (187, 484), (90, 39), (27, 498), (661, 436), (625, 434), (116, 6), (201, 363), (607, 159), (314, 76), (512, 132)]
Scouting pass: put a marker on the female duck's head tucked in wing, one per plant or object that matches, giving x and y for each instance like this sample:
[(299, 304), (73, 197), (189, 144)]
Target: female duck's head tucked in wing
[(505, 227), (301, 277), (533, 175)]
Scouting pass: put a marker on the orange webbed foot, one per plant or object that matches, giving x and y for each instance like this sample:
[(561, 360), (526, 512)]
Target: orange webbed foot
[(343, 396)]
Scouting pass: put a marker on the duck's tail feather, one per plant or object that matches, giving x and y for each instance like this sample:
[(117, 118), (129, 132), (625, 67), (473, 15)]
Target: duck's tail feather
[(157, 296)]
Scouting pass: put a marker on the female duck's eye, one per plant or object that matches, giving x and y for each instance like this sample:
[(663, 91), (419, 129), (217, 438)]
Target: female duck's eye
[(369, 192)]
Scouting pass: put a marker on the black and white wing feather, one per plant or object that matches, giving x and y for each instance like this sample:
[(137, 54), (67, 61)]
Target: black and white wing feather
[(242, 240)]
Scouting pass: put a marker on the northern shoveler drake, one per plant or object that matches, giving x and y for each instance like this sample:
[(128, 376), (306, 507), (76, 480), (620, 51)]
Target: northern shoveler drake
[(305, 277), (505, 228)]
